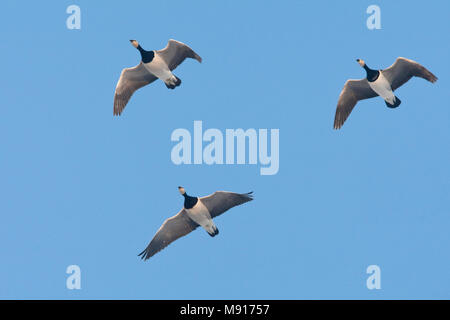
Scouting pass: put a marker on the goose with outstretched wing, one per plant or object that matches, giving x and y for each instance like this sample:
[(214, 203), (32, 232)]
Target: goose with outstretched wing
[(378, 83), (156, 64), (196, 212)]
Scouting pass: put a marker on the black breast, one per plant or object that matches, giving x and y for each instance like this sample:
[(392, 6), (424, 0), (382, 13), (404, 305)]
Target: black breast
[(189, 202), (372, 75), (147, 56)]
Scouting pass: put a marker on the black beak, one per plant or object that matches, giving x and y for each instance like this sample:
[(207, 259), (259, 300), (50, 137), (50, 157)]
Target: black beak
[(132, 40), (179, 187), (357, 60)]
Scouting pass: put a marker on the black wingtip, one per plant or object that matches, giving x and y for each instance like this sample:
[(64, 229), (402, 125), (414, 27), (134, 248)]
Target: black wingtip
[(433, 78)]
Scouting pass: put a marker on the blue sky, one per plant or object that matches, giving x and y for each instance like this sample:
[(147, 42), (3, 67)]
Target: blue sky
[(79, 186)]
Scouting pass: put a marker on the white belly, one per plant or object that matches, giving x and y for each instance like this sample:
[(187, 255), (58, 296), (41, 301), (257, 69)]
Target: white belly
[(200, 214), (383, 88), (159, 68)]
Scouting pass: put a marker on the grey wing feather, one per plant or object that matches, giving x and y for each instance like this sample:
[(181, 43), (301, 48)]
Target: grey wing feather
[(130, 80), (353, 91), (221, 201), (172, 229), (404, 69), (176, 52)]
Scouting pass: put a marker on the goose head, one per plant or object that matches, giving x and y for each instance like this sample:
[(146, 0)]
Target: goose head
[(361, 62), (182, 192), (134, 43)]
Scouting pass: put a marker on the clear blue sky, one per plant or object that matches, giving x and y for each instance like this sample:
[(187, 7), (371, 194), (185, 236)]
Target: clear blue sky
[(78, 186)]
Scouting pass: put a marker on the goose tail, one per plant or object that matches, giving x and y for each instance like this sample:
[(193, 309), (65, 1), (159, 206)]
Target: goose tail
[(397, 102)]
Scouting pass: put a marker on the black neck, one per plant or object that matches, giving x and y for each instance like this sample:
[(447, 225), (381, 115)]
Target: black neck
[(146, 56), (372, 75), (367, 68), (189, 201)]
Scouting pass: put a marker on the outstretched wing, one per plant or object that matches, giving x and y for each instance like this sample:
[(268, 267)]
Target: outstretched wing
[(175, 52), (130, 80), (220, 201), (404, 69), (172, 229), (353, 91)]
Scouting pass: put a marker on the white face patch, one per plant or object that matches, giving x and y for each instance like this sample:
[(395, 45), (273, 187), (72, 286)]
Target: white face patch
[(181, 190), (135, 43)]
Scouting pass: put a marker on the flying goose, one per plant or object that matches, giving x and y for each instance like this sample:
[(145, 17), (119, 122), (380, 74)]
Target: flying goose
[(196, 212), (378, 83), (154, 64)]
